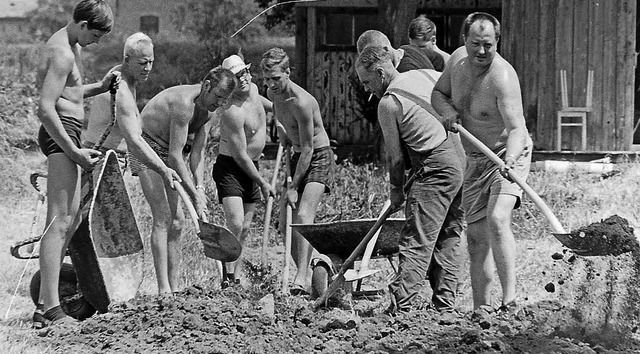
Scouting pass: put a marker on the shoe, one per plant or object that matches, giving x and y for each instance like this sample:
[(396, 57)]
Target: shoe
[(298, 290), (55, 316), (39, 322), (229, 282)]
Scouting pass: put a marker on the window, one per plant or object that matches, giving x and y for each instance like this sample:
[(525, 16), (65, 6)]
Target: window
[(149, 24), (341, 28)]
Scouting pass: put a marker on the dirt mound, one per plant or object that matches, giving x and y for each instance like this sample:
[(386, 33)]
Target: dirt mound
[(205, 319), (611, 236)]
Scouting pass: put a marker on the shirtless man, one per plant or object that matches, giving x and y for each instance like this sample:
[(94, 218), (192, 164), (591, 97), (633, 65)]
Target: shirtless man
[(61, 113), (482, 93), (243, 134), (126, 134), (167, 121), (312, 163)]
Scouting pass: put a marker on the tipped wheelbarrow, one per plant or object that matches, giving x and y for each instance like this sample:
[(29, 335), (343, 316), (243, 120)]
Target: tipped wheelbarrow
[(336, 241), (106, 249)]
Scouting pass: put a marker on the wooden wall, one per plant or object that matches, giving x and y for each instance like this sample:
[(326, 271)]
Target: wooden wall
[(542, 37)]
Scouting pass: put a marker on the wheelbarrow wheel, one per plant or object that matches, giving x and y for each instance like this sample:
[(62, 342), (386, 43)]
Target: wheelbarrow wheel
[(71, 301), (319, 280)]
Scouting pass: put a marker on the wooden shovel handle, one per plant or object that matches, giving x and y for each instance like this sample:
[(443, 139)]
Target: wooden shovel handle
[(187, 202), (546, 211), (269, 207), (364, 263), (339, 279)]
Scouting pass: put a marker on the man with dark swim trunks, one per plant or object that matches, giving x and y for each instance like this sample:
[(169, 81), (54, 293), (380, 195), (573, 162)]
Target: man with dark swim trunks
[(61, 113), (167, 121), (243, 134), (301, 126)]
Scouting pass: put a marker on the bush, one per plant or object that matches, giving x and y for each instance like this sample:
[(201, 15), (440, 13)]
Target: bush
[(18, 101)]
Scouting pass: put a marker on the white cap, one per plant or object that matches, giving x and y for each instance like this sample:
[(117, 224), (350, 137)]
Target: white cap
[(235, 64)]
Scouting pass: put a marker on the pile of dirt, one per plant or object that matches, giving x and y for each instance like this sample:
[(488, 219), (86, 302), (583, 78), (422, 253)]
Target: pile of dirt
[(611, 236), (206, 319)]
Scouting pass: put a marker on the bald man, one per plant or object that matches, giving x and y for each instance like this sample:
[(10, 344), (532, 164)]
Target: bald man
[(402, 59), (126, 133)]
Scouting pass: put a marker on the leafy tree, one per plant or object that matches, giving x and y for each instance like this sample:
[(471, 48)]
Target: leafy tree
[(50, 16), (213, 22), (281, 14)]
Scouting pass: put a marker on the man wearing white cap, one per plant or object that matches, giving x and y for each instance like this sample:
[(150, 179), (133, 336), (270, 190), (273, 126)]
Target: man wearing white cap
[(243, 134)]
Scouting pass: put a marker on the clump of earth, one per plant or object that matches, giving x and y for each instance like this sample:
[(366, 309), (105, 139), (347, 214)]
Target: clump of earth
[(612, 235), (255, 318)]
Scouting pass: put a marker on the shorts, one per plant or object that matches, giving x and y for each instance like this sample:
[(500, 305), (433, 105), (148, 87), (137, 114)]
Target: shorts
[(232, 181), (482, 179), (71, 125), (320, 169), (137, 165)]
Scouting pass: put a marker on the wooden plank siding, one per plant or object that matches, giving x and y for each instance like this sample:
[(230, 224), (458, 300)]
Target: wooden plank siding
[(577, 36)]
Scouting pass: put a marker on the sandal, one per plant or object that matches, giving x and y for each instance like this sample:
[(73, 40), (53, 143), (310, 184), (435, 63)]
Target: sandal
[(39, 322)]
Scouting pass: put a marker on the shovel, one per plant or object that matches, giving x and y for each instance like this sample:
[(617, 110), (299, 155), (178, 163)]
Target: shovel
[(364, 271), (269, 207), (287, 233), (580, 243), (339, 278), (219, 243)]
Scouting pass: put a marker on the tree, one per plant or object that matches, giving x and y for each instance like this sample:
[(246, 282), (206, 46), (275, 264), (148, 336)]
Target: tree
[(213, 22), (282, 14), (50, 16)]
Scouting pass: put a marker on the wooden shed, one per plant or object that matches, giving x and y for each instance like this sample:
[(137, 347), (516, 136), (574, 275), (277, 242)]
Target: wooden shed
[(539, 38)]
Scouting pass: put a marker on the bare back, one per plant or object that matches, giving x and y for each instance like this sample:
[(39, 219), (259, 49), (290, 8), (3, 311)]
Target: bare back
[(251, 114), (175, 104), (57, 47), (290, 110)]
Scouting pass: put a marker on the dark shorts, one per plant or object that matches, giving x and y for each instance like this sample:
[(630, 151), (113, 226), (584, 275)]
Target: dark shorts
[(320, 169), (137, 165), (71, 125), (232, 181)]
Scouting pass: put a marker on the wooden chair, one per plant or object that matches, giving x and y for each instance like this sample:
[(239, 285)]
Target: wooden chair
[(574, 112)]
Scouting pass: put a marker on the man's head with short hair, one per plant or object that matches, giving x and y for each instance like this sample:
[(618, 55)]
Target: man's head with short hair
[(481, 16), (275, 70), (217, 86), (372, 38), (373, 67), (138, 57), (275, 57), (422, 32), (97, 13)]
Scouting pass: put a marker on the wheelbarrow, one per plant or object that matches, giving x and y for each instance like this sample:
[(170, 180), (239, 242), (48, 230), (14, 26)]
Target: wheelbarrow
[(106, 249), (335, 241)]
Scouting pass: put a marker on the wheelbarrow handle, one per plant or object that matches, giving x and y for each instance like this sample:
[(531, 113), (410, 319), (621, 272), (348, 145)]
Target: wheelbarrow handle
[(546, 211), (339, 279)]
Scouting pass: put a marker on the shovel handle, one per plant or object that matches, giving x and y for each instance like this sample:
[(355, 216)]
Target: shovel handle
[(269, 207), (546, 211), (339, 279), (364, 264), (187, 202)]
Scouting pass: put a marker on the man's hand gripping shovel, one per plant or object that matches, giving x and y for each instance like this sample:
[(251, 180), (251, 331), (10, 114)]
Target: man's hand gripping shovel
[(219, 243)]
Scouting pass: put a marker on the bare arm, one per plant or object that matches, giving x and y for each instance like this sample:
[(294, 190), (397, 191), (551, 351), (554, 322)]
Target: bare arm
[(268, 105), (509, 102), (59, 67), (178, 131), (441, 99), (389, 111), (103, 85), (129, 124), (304, 117), (196, 157)]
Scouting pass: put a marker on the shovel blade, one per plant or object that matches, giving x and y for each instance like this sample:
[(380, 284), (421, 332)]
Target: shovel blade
[(219, 243), (352, 274), (590, 245)]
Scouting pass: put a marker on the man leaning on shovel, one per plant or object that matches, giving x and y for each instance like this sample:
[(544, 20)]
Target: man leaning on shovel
[(433, 191)]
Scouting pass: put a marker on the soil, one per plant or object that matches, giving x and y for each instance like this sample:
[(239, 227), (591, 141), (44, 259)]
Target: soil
[(612, 235), (255, 318)]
